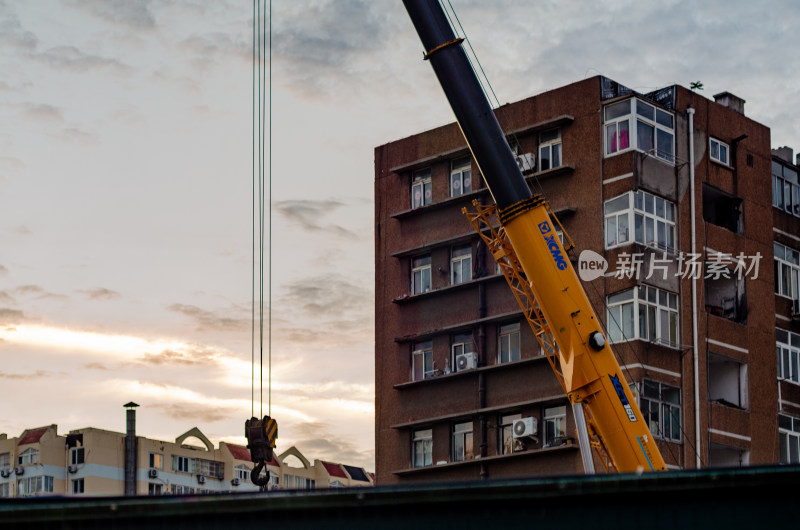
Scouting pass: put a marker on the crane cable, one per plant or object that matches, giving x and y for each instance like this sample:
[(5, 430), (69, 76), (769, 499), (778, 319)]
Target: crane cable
[(261, 200)]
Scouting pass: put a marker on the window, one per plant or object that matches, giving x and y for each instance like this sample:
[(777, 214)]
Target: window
[(77, 486), (462, 442), (508, 348), (76, 455), (461, 265), (549, 150), (661, 408), (785, 188), (722, 209), (422, 448), (789, 434), (422, 361), (5, 460), (787, 269), (719, 151), (645, 313), (654, 129), (555, 425), (156, 461), (182, 463), (4, 490), (242, 472), (462, 343), (421, 274), (421, 189), (288, 480), (28, 456), (460, 177), (787, 346), (652, 219), (506, 443), (156, 489), (33, 485), (727, 381)]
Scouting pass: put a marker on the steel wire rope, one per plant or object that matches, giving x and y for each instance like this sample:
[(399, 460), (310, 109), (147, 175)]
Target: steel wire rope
[(541, 190)]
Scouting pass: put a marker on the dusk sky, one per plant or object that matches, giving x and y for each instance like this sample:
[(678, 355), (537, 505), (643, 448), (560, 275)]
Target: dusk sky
[(126, 181)]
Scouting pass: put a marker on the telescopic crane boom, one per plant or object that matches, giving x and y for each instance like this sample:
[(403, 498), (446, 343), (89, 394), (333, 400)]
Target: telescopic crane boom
[(589, 372)]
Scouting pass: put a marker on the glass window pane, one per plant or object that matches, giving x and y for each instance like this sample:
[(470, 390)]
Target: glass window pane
[(638, 221), (617, 109), (622, 222), (617, 204), (620, 297), (611, 231), (544, 158), (660, 207), (643, 109), (624, 142), (556, 155), (649, 203), (664, 118), (723, 154), (649, 232), (645, 140), (627, 321), (665, 145), (611, 139)]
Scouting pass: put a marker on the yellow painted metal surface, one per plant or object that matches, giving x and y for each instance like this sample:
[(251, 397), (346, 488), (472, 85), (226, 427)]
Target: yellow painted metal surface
[(590, 377)]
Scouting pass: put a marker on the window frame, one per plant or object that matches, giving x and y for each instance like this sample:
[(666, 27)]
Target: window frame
[(422, 438), (422, 352), (787, 348), (462, 446), (421, 267), (506, 443), (77, 455), (460, 343), (461, 259), (553, 147), (156, 461), (636, 120), (786, 184), (554, 420), (28, 456), (77, 486), (792, 265), (644, 223), (721, 147), (461, 173), (641, 302), (421, 180), (506, 333), (664, 408), (789, 439)]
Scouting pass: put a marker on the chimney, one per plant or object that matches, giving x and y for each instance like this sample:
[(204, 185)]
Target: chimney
[(784, 153), (130, 448), (729, 100)]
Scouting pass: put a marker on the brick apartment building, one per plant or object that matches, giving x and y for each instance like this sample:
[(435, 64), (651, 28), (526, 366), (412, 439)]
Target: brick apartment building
[(456, 364)]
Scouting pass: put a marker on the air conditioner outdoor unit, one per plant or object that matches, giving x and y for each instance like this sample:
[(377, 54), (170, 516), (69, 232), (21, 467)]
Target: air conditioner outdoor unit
[(201, 479), (73, 468), (19, 470), (466, 361), (5, 472), (526, 161), (153, 473), (235, 482), (524, 427)]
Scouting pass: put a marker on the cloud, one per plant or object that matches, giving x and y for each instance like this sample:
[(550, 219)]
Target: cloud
[(71, 58), (133, 13), (6, 298), (307, 214), (200, 414), (43, 112), (211, 45), (101, 293), (38, 374), (319, 440), (13, 37), (3, 272), (29, 290), (193, 357), (11, 316), (333, 295), (95, 366), (209, 320)]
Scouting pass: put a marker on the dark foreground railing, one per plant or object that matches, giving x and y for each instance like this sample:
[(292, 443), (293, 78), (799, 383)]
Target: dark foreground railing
[(708, 499)]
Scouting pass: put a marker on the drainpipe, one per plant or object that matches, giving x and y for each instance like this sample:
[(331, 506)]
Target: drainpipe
[(130, 449), (483, 449), (695, 356)]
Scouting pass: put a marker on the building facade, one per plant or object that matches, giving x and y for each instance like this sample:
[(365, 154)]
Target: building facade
[(92, 462), (689, 295)]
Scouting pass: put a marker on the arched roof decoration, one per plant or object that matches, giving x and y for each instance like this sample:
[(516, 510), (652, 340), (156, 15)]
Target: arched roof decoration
[(195, 432), (296, 452)]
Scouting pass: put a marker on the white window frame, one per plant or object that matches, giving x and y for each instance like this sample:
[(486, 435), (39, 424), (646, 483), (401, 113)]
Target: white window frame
[(647, 219), (785, 188), (421, 194), (630, 315), (506, 443), (29, 486), (156, 461), (619, 118), (422, 448), (183, 464), (789, 435), (242, 472), (652, 400), (422, 361), (77, 455), (462, 442), (5, 460), (719, 151), (555, 423), (461, 265), (787, 262), (461, 343), (460, 177), (787, 348), (550, 149), (421, 274), (509, 343), (28, 456), (77, 486)]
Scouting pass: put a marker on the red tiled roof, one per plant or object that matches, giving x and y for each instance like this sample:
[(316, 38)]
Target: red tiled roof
[(243, 453), (33, 436), (334, 470)]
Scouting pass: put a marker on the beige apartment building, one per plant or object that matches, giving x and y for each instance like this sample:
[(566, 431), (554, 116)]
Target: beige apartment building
[(91, 461)]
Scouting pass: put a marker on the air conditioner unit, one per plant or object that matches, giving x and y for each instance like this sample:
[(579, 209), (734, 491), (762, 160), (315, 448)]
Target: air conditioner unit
[(524, 427), (19, 470), (466, 361), (201, 479), (235, 482), (153, 473), (5, 472), (73, 468), (526, 162)]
